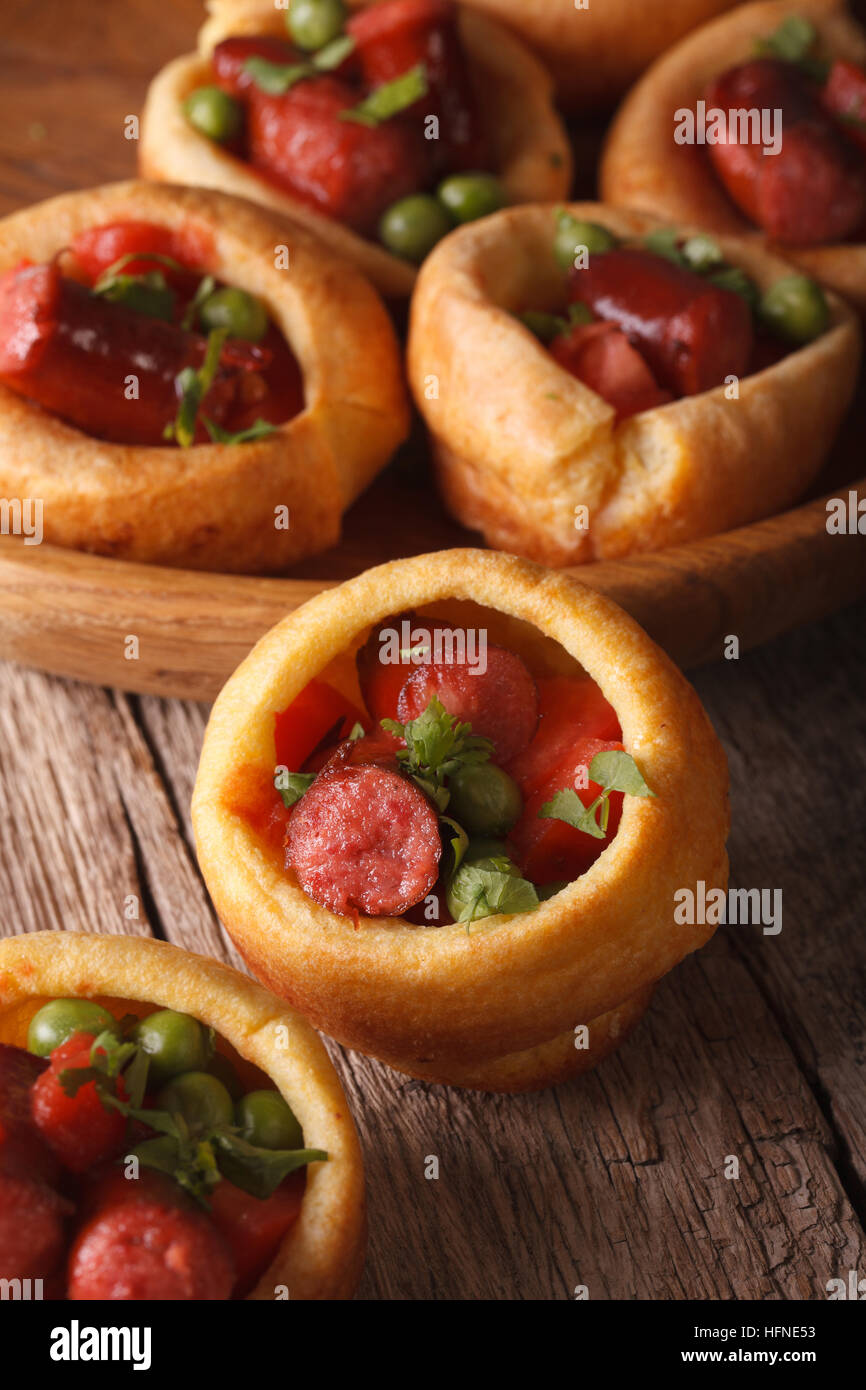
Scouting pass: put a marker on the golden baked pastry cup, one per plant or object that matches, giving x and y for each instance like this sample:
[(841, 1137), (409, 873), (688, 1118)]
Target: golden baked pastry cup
[(323, 1254), (443, 1003), (642, 167), (212, 506), (519, 443), (596, 50), (533, 154)]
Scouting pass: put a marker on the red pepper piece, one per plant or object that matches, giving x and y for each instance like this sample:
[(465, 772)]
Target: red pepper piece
[(98, 248), (570, 710), (80, 1129), (253, 1228), (319, 710), (550, 851)]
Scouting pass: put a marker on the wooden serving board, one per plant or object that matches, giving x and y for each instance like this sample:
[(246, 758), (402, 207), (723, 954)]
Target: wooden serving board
[(66, 108)]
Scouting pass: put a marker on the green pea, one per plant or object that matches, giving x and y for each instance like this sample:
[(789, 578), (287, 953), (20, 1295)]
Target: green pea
[(411, 227), (573, 234), (174, 1042), (212, 112), (242, 314), (223, 1070), (470, 196), (795, 308), (199, 1097), (267, 1121), (57, 1021), (484, 799), (313, 23)]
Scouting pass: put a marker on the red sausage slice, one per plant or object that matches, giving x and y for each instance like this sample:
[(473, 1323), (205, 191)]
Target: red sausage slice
[(344, 169), (31, 1228), (145, 1241), (392, 38), (74, 353), (98, 248), (844, 96), (814, 189), (501, 703), (364, 838), (231, 56), (601, 356), (691, 333), (23, 1151)]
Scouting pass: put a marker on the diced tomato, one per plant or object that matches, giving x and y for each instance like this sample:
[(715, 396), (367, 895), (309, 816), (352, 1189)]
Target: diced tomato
[(382, 680), (318, 712), (80, 1129), (97, 248), (601, 356), (549, 851), (570, 708), (252, 1228), (844, 96)]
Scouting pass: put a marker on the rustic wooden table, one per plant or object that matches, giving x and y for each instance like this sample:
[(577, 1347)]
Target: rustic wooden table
[(754, 1050)]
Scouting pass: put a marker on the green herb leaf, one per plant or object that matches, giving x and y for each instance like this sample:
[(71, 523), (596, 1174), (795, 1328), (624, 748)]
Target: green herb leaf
[(356, 732), (260, 429), (332, 54), (191, 1162), (486, 887), (614, 771), (294, 786), (205, 288), (731, 277), (791, 41), (276, 78), (258, 1171), (193, 385), (459, 841), (144, 294), (110, 275), (389, 99), (437, 745)]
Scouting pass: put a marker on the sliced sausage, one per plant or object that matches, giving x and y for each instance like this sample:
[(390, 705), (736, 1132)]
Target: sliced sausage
[(814, 189), (343, 168), (364, 839), (398, 36), (691, 333), (145, 1240), (74, 353), (601, 356), (500, 702)]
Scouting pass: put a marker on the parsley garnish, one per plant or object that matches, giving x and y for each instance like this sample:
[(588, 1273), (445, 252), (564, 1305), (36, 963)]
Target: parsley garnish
[(193, 385), (613, 771), (292, 785), (259, 429), (278, 78), (486, 887), (437, 744), (389, 99), (794, 42)]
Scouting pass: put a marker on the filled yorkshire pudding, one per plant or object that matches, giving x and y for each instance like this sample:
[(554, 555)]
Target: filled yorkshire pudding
[(597, 383), (799, 188), (188, 381), (378, 135), (595, 51), (444, 809), (169, 1129)]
